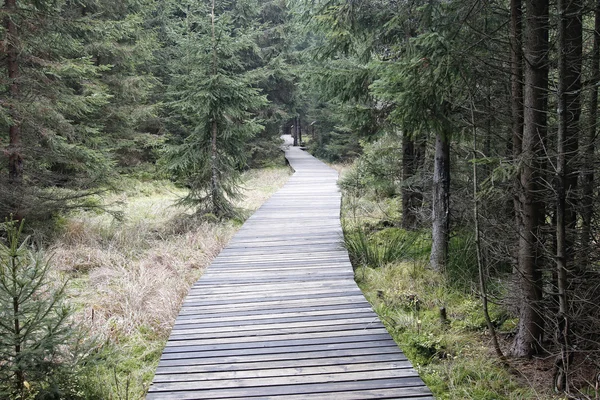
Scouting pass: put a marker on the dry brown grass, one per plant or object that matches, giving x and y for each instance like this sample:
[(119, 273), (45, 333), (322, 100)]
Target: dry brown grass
[(133, 274)]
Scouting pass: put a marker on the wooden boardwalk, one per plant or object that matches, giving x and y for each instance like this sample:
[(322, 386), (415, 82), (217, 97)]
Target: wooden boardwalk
[(278, 314)]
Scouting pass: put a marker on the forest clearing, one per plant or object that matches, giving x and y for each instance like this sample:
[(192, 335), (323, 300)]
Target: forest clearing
[(138, 136)]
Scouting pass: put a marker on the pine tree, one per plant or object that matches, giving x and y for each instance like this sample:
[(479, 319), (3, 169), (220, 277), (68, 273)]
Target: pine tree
[(214, 97)]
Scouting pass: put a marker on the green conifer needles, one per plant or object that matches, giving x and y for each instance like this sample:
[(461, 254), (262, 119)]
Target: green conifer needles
[(214, 101), (35, 327)]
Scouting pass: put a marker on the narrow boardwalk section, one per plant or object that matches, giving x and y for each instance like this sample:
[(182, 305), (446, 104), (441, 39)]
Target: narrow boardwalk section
[(278, 314)]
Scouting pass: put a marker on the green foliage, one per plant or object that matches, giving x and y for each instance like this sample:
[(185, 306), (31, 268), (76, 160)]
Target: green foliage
[(378, 169), (40, 347), (381, 248), (462, 260), (83, 100), (213, 104), (421, 85), (452, 358)]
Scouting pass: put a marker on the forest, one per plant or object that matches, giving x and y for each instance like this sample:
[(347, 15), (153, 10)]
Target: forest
[(136, 136)]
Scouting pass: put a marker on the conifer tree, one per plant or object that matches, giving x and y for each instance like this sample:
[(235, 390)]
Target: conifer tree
[(50, 86), (119, 34), (36, 334), (214, 98)]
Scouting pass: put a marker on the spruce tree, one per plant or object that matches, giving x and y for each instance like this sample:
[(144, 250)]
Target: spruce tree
[(50, 87), (36, 333), (214, 97)]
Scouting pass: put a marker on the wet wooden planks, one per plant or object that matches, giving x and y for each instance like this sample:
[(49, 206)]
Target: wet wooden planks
[(278, 316)]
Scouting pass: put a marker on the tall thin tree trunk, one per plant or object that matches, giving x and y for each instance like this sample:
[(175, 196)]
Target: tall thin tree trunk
[(214, 180), (516, 77), (441, 203), (295, 131), (411, 197), (530, 328), (516, 84), (11, 43), (587, 176), (569, 109), (480, 260)]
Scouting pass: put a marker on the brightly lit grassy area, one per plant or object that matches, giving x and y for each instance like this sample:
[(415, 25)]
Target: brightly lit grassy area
[(128, 276), (436, 319)]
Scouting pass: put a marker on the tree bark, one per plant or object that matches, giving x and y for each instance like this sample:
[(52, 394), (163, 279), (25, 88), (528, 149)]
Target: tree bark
[(11, 43), (531, 206), (587, 176), (214, 178), (441, 203), (295, 131), (412, 199), (569, 109), (516, 84), (516, 77)]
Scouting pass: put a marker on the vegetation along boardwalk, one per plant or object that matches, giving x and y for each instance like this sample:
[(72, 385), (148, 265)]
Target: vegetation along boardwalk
[(278, 314)]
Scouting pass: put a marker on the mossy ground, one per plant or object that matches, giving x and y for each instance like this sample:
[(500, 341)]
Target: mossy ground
[(454, 356)]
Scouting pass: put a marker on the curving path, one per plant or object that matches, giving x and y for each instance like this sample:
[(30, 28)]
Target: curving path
[(278, 314)]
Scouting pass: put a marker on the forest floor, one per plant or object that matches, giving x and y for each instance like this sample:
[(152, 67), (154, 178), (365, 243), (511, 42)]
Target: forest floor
[(454, 355), (128, 277)]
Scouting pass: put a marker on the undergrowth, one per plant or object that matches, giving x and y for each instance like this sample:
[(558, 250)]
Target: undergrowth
[(435, 318), (128, 276)]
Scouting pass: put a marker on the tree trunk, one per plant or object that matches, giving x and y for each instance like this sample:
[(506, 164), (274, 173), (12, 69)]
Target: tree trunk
[(478, 246), (15, 157), (299, 131), (530, 328), (516, 84), (295, 131), (214, 177), (587, 176), (441, 203), (412, 199), (569, 109), (516, 77)]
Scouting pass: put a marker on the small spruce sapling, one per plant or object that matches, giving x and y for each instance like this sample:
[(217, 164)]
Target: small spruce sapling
[(36, 332)]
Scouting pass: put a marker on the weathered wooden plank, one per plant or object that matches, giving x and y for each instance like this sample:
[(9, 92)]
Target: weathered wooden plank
[(266, 311), (269, 318), (213, 301), (397, 358), (323, 323), (278, 315), (270, 372), (242, 333), (365, 335), (398, 374), (317, 352), (289, 349), (412, 393), (326, 389)]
